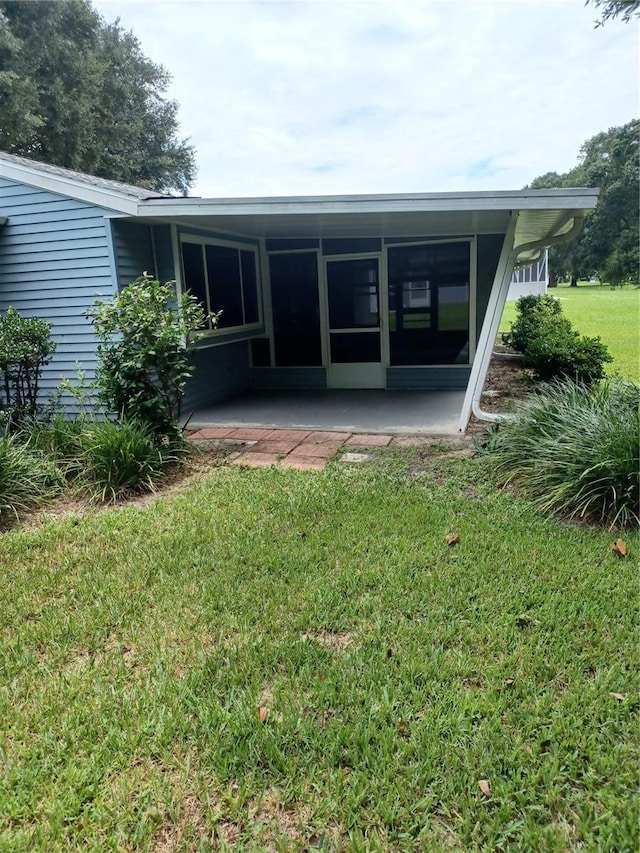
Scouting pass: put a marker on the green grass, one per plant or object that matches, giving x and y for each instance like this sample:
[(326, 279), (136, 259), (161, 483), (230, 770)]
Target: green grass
[(138, 644), (596, 309)]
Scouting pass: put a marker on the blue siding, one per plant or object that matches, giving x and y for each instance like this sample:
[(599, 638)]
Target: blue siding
[(221, 372), (489, 248), (164, 253), (427, 378), (54, 263), (133, 250), (289, 377)]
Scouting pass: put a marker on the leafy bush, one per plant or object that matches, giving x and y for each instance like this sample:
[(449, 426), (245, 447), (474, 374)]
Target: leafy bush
[(551, 346), (557, 350), (531, 311), (26, 478), (58, 439), (575, 450), (25, 349), (121, 458), (146, 339)]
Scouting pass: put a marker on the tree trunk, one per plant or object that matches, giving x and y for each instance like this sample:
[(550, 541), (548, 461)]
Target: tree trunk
[(553, 279), (574, 281)]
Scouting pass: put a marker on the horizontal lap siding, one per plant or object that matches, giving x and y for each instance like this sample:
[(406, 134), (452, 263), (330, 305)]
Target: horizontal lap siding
[(54, 263), (133, 250), (220, 372), (285, 378)]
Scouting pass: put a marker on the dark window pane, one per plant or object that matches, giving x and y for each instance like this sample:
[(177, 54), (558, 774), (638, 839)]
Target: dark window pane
[(353, 294), (279, 245), (351, 245), (223, 269), (296, 309), (193, 270), (353, 347), (249, 286), (429, 304)]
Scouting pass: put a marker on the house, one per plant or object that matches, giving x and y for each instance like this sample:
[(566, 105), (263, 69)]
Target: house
[(373, 291), (530, 280)]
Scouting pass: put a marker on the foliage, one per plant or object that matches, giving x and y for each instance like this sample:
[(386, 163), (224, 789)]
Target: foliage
[(121, 458), (557, 350), (530, 312), (609, 9), (608, 242), (575, 450), (598, 309), (146, 337), (551, 346), (78, 92), (26, 477), (58, 439), (25, 349)]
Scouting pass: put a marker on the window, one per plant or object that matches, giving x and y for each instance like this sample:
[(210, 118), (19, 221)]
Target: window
[(429, 303), (223, 277)]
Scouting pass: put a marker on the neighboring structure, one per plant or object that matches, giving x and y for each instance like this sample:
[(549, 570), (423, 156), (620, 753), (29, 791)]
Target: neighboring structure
[(530, 280), (385, 291)]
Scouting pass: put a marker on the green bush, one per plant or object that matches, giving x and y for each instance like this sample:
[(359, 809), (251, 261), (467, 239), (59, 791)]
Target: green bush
[(122, 458), (551, 346), (25, 349), (575, 450), (146, 338), (557, 350), (58, 439), (26, 478), (531, 311)]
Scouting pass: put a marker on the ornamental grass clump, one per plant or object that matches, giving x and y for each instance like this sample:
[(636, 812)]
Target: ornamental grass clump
[(122, 458), (575, 451), (26, 478)]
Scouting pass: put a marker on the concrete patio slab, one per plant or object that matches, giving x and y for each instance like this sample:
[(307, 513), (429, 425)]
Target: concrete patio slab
[(394, 412), (369, 440)]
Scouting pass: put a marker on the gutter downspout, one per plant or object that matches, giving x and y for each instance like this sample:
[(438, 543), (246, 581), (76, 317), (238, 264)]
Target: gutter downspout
[(494, 314)]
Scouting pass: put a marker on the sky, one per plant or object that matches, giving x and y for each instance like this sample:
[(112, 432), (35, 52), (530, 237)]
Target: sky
[(316, 97)]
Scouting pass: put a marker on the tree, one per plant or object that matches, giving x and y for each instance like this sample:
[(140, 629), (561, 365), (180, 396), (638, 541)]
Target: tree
[(607, 245), (78, 92), (625, 9)]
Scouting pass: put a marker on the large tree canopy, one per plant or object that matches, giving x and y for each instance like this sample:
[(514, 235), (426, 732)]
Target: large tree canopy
[(78, 92), (607, 245)]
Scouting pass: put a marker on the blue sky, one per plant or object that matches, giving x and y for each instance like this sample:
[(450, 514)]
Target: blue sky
[(317, 97)]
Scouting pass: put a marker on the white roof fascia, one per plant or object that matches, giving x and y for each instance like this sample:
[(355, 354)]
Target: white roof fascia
[(62, 185), (584, 199)]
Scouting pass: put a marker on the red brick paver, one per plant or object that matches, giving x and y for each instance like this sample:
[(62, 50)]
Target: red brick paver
[(249, 433), (319, 451), (256, 460), (370, 440), (211, 432), (320, 437), (297, 435), (303, 463), (268, 445)]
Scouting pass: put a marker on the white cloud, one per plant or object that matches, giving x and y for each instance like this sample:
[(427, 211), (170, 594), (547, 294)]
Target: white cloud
[(389, 96)]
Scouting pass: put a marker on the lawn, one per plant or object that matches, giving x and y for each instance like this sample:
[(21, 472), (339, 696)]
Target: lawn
[(283, 660), (597, 309)]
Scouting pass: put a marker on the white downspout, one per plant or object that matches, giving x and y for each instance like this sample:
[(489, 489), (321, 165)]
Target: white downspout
[(493, 316)]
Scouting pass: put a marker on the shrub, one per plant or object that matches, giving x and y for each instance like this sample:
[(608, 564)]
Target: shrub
[(25, 349), (557, 350), (551, 346), (531, 311), (575, 450), (26, 478), (147, 336), (121, 458), (58, 439)]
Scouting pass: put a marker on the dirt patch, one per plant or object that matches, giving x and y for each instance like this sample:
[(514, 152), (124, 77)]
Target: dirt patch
[(336, 642)]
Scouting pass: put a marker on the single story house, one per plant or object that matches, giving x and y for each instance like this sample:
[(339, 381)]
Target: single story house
[(368, 291)]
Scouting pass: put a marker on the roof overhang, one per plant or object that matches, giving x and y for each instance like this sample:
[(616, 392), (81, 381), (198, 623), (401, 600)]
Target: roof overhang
[(541, 214)]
